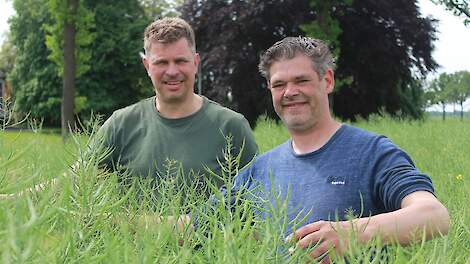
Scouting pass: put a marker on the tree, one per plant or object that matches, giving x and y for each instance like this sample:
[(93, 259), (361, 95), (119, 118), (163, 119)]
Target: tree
[(385, 49), (460, 8), (7, 55), (438, 92), (67, 40), (230, 35), (458, 88), (68, 90), (326, 26), (34, 78), (112, 76), (157, 8), (116, 77)]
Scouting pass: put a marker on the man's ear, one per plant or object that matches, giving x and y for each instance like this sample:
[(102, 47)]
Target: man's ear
[(197, 59), (330, 80), (145, 62)]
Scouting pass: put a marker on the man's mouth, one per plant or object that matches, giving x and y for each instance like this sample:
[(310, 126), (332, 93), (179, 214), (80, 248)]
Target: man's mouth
[(172, 82), (293, 104)]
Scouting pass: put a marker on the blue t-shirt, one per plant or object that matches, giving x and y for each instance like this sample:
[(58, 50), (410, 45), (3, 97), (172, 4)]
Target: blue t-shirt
[(356, 173)]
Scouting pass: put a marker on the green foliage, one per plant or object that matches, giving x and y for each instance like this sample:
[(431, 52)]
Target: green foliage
[(457, 7), (116, 77), (91, 216), (112, 75), (459, 86), (326, 26), (449, 88), (7, 55), (155, 9), (34, 79), (84, 23), (438, 90)]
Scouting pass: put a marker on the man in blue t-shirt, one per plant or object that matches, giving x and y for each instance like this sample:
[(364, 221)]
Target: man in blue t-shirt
[(333, 172)]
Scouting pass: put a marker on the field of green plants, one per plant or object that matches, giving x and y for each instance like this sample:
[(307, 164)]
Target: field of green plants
[(91, 216)]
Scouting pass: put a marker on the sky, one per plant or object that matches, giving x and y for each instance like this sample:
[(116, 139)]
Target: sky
[(451, 48), (6, 10)]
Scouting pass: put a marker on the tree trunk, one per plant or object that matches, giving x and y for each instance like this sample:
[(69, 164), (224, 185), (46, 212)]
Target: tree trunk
[(443, 111), (68, 88), (461, 110)]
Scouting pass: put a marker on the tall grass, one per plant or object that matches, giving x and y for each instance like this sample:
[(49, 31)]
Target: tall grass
[(94, 216)]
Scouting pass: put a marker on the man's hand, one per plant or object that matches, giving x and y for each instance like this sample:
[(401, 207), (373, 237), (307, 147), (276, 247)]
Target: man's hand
[(325, 236), (420, 211)]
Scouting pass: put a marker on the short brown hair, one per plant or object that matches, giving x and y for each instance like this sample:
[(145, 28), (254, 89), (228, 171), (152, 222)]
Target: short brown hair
[(289, 47), (168, 30)]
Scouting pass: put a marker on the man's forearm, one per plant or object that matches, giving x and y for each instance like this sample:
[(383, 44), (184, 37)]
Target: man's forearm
[(419, 216)]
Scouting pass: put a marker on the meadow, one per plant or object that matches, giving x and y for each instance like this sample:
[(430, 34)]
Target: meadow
[(89, 216)]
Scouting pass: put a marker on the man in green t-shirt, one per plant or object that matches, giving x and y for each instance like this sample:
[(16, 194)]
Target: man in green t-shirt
[(175, 127)]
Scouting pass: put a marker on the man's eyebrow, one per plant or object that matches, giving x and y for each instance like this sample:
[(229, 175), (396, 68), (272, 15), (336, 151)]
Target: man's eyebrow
[(277, 81), (156, 59), (296, 78), (300, 77)]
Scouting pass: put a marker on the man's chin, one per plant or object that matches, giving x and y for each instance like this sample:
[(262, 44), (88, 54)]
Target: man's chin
[(297, 124), (172, 98)]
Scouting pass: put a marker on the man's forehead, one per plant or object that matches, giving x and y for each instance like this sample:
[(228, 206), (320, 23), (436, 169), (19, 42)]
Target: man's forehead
[(167, 52), (163, 44), (291, 69)]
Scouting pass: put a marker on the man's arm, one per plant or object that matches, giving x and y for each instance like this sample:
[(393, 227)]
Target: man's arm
[(421, 214)]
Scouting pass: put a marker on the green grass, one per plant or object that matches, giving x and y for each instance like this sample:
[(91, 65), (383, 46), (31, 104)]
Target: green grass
[(89, 217)]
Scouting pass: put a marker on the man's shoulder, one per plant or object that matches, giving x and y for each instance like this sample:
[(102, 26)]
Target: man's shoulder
[(354, 134), (364, 141), (220, 113), (133, 108), (279, 152), (220, 109)]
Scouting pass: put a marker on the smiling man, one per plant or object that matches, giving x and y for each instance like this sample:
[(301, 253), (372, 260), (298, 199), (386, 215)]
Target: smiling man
[(175, 124), (340, 180)]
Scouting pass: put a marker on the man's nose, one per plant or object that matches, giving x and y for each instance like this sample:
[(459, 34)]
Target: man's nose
[(291, 90), (172, 69)]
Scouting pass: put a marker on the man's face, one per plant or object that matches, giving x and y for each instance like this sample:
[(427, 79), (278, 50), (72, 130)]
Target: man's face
[(300, 98), (172, 68)]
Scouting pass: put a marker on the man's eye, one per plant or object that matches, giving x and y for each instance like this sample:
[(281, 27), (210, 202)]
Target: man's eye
[(277, 85)]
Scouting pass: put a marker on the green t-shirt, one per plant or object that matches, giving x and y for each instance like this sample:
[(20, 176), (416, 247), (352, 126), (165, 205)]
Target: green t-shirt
[(145, 143)]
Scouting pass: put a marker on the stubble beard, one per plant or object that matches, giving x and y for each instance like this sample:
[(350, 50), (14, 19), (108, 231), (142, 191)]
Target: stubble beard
[(169, 97), (300, 121)]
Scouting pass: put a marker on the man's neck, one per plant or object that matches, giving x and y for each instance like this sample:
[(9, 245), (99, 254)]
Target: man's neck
[(182, 109), (313, 139)]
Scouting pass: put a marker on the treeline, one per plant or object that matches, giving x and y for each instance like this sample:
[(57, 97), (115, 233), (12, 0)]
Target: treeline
[(383, 51), (449, 88)]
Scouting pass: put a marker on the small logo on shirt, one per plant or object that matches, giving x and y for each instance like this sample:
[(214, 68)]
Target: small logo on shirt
[(336, 180)]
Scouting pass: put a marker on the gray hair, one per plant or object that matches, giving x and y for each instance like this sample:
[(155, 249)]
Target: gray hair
[(168, 30), (289, 47)]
